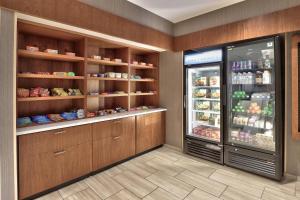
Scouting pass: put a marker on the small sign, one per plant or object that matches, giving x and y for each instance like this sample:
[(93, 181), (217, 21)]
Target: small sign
[(203, 57)]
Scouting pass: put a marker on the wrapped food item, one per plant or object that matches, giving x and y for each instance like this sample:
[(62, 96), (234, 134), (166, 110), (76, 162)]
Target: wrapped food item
[(74, 92), (44, 92), (55, 117), (142, 63), (52, 51), (135, 62), (59, 92), (150, 64), (68, 53), (22, 92), (199, 93), (106, 59), (90, 114), (111, 111), (118, 75), (24, 121), (110, 74), (200, 81), (125, 75), (96, 57), (32, 48), (118, 60), (80, 114), (34, 92), (40, 119), (60, 73), (71, 74), (43, 73), (69, 115), (120, 109)]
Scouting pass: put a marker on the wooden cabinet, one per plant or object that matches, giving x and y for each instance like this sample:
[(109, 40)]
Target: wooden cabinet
[(50, 158), (113, 141), (150, 131)]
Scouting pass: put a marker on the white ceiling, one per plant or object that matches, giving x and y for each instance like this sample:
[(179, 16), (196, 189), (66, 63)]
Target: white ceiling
[(179, 10)]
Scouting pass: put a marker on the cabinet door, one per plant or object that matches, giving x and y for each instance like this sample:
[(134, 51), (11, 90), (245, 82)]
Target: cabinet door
[(123, 139), (38, 172), (77, 161), (158, 128), (150, 131), (76, 135), (144, 136)]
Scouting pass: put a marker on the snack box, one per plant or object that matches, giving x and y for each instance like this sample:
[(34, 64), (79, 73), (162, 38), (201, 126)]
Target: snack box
[(106, 59), (118, 75), (150, 64), (32, 48), (135, 62), (96, 57), (118, 60), (110, 74), (142, 63), (70, 54), (53, 51), (125, 75)]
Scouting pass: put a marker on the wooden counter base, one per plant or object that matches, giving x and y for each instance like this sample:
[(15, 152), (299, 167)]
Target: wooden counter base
[(51, 158)]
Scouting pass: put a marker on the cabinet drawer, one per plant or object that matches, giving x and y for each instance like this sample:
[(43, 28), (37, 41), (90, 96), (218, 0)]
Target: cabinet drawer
[(38, 173), (42, 142), (76, 135)]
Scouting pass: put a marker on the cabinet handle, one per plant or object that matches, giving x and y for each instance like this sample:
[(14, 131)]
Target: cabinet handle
[(59, 153), (59, 132), (116, 138)]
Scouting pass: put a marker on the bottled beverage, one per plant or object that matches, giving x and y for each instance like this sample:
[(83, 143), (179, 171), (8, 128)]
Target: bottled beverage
[(267, 63), (266, 77)]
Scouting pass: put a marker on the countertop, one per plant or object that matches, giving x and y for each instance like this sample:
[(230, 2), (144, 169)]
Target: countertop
[(78, 122)]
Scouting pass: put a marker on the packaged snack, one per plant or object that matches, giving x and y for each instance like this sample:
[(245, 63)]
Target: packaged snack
[(216, 106), (71, 74), (44, 92), (59, 92), (74, 92), (215, 93), (110, 74), (106, 59), (24, 121), (202, 105), (100, 75), (214, 81), (69, 115), (199, 93), (55, 117), (120, 109), (34, 92), (32, 48), (96, 57), (118, 60), (80, 113), (200, 81), (40, 119), (22, 92), (90, 114), (118, 75), (142, 63), (125, 75), (70, 53), (150, 64), (52, 51)]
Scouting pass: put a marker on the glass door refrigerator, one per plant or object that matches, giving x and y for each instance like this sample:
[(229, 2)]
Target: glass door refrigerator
[(203, 104), (254, 119)]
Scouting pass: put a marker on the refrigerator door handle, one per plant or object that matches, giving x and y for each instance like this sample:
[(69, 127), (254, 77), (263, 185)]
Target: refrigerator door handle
[(184, 101), (224, 93)]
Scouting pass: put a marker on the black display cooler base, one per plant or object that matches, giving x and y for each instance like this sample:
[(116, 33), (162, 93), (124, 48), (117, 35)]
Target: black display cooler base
[(260, 163), (205, 150)]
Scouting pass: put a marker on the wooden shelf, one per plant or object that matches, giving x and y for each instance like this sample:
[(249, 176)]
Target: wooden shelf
[(142, 94), (109, 95), (105, 62), (107, 79), (50, 98), (141, 67), (42, 76), (143, 80), (49, 56)]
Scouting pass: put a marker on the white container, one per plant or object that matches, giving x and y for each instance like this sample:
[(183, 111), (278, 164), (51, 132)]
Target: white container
[(266, 77)]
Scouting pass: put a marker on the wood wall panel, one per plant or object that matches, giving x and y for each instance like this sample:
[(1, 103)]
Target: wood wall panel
[(287, 20), (78, 14)]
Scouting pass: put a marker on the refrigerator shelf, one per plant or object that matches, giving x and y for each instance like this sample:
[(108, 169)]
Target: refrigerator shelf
[(249, 127), (203, 137), (207, 125), (206, 87), (205, 99), (208, 111), (254, 84), (250, 70)]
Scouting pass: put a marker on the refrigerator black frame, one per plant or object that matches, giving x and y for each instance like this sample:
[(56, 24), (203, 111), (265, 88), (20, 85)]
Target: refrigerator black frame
[(222, 97), (279, 104)]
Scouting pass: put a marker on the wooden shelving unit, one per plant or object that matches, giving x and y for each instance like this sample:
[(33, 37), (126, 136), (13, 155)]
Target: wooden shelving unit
[(48, 56), (32, 65), (42, 76), (51, 98)]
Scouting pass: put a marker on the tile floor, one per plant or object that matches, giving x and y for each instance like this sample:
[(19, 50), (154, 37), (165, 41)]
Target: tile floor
[(166, 174)]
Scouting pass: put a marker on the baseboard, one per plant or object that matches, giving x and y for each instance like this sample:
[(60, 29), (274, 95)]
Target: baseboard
[(173, 147)]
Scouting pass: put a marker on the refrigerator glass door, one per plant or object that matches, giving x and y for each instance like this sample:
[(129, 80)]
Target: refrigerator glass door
[(251, 95), (203, 102)]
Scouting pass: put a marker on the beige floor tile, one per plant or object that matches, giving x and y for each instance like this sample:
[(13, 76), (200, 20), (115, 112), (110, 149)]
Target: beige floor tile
[(165, 166), (123, 195), (72, 189), (200, 195), (203, 183), (196, 167), (171, 184), (298, 189), (135, 184), (51, 196), (165, 155), (160, 194), (270, 194), (236, 194), (287, 188), (87, 194), (242, 185), (139, 168), (114, 171), (103, 185)]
